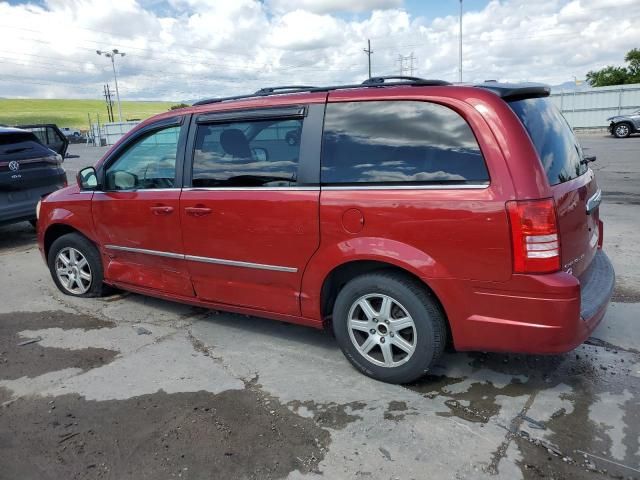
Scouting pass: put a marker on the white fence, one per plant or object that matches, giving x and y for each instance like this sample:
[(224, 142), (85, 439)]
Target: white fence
[(590, 108), (109, 133)]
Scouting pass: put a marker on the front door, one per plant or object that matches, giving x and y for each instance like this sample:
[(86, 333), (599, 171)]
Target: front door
[(250, 218), (137, 217)]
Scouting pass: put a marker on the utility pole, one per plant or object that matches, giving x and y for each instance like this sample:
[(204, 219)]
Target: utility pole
[(108, 101), (368, 51), (112, 55), (460, 46)]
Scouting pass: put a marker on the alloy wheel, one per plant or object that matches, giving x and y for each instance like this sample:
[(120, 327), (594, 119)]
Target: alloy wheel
[(73, 271), (622, 130), (382, 330)]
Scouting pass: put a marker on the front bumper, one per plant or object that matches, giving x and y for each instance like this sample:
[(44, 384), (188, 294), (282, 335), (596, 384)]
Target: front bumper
[(535, 314)]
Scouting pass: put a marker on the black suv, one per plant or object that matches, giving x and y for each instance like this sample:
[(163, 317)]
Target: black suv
[(28, 171)]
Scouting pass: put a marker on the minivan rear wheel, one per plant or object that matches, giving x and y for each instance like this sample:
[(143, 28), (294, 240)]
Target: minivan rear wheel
[(622, 130), (389, 326), (75, 265)]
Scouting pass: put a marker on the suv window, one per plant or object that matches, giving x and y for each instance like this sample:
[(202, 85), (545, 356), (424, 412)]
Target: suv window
[(20, 145), (552, 137), (147, 164), (399, 142), (247, 154)]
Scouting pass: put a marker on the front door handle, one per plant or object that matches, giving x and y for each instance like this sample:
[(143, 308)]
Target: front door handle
[(197, 211), (161, 210)]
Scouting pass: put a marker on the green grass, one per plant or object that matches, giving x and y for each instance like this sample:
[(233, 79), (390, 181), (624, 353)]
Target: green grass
[(72, 113)]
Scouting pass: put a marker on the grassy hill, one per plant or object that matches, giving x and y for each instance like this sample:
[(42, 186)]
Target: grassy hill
[(72, 113)]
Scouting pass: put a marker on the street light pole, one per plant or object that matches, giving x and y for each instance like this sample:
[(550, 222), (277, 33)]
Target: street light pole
[(460, 46), (112, 55)]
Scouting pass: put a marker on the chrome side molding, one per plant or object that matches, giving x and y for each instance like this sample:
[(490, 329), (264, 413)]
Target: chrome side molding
[(194, 258)]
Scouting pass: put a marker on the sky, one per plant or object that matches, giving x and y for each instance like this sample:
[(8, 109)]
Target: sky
[(183, 50)]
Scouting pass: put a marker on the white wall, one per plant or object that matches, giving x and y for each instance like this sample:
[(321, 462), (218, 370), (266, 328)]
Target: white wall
[(592, 107)]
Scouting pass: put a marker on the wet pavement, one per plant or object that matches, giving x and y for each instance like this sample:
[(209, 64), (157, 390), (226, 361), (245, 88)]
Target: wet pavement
[(133, 387)]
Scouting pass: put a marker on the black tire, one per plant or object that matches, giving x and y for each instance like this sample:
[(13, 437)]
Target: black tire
[(429, 321), (622, 130), (34, 224), (76, 241)]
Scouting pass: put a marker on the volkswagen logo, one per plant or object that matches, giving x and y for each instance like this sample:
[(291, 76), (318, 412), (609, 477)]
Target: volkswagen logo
[(14, 166)]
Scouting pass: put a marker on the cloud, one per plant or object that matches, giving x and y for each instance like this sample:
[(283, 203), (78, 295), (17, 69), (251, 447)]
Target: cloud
[(333, 6), (190, 49)]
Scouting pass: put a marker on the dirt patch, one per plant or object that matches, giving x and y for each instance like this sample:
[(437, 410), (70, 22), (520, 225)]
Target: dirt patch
[(235, 434), (32, 359), (396, 410), (625, 294)]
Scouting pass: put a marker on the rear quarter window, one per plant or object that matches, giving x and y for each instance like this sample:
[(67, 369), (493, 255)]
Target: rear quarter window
[(21, 145), (399, 143), (554, 140)]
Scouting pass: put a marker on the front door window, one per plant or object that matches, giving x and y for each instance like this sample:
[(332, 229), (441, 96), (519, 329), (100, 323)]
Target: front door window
[(150, 163)]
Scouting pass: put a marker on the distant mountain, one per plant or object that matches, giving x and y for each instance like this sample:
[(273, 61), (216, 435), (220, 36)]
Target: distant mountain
[(571, 86)]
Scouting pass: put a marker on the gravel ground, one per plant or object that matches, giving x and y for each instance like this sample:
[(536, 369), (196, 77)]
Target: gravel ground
[(133, 387)]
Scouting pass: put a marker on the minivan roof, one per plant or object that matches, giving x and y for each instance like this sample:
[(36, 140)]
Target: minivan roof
[(507, 91)]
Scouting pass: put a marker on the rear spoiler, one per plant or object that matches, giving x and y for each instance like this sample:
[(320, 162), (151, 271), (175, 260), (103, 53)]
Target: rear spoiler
[(510, 92)]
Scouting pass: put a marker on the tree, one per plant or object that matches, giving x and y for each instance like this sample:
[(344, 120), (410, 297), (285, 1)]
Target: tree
[(633, 59), (611, 75), (179, 105)]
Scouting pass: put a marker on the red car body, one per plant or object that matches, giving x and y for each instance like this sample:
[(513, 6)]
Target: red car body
[(457, 241)]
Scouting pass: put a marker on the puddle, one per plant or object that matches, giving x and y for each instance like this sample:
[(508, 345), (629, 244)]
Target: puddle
[(332, 415), (578, 414)]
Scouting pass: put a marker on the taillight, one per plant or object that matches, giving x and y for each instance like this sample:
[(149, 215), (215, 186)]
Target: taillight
[(534, 236)]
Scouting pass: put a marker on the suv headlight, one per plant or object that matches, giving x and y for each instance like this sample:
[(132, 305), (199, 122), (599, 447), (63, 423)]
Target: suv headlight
[(38, 209)]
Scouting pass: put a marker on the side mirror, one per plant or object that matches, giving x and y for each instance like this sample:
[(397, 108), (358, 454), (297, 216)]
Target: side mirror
[(87, 179), (260, 154), (121, 180)]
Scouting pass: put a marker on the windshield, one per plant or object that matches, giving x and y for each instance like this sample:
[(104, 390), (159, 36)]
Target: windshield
[(552, 137)]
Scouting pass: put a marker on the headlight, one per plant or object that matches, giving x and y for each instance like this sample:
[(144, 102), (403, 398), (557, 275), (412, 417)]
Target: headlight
[(38, 210)]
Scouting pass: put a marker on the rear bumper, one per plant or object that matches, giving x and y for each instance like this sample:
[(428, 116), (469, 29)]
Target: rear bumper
[(535, 314), (20, 205)]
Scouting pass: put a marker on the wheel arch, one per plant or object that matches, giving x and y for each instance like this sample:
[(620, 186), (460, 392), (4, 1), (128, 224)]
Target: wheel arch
[(628, 123), (57, 230), (340, 275)]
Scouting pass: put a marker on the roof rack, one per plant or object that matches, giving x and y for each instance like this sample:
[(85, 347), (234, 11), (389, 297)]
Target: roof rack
[(372, 82), (284, 89), (378, 81)]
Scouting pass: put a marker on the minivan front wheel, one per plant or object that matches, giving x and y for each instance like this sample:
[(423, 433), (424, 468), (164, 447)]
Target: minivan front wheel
[(74, 263), (622, 130), (389, 326)]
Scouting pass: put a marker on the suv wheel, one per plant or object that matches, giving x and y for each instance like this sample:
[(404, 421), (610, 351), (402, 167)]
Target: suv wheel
[(622, 130), (389, 327), (75, 265)]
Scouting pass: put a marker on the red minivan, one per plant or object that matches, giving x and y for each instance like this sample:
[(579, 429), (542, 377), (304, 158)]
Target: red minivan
[(405, 213)]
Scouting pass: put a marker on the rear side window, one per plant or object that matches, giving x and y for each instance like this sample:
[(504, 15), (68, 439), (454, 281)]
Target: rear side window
[(19, 145), (399, 142), (261, 153), (552, 137)]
